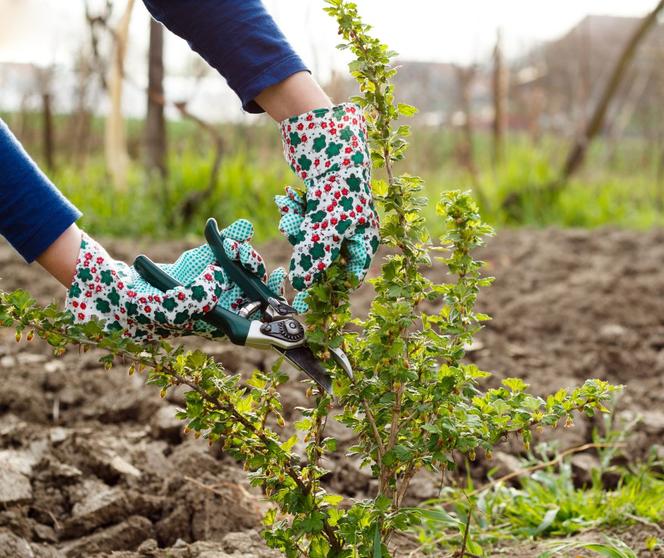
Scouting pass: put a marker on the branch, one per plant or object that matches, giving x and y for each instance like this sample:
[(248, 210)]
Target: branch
[(543, 465)]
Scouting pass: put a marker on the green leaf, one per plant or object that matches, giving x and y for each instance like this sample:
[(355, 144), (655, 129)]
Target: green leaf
[(474, 548), (515, 385), (547, 521), (333, 499), (406, 110), (377, 545), (288, 444)]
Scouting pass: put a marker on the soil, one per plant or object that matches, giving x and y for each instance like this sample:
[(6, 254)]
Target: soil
[(94, 464)]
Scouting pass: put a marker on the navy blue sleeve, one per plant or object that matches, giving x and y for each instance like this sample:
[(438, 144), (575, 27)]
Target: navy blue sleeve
[(238, 38), (33, 212)]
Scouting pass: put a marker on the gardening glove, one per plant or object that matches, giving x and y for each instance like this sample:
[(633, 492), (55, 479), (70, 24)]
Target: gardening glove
[(328, 149), (113, 292)]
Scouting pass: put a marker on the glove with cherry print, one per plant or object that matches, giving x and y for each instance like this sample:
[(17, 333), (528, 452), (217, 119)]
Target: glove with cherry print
[(113, 292), (328, 149)]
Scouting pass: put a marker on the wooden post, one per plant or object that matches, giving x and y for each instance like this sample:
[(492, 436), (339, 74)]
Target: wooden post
[(117, 157), (155, 123), (500, 92)]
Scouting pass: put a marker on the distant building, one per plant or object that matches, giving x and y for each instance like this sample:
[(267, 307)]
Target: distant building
[(562, 79), (433, 87), (553, 86)]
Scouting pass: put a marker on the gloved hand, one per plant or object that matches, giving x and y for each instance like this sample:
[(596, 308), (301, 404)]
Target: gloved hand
[(328, 149), (113, 292)]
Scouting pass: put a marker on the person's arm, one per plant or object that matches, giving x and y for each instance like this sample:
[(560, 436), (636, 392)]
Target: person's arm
[(325, 145), (35, 217), (59, 259), (243, 43), (297, 94)]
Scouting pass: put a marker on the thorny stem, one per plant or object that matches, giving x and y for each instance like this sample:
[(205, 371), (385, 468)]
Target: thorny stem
[(318, 429), (216, 402), (466, 532), (374, 428), (405, 483), (383, 125)]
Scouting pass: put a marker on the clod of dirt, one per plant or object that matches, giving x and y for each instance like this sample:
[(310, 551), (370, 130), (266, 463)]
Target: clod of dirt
[(174, 526), (166, 426), (350, 479), (225, 508), (127, 535), (130, 404), (653, 422), (99, 456), (234, 359), (193, 458), (583, 465), (15, 487), (247, 544), (505, 464), (55, 471), (99, 505), (12, 546)]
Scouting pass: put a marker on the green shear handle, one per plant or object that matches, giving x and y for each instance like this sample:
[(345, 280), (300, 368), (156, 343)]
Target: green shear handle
[(233, 326), (249, 283)]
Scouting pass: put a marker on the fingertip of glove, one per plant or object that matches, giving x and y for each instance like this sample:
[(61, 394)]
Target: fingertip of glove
[(299, 302), (240, 230), (294, 195), (276, 280)]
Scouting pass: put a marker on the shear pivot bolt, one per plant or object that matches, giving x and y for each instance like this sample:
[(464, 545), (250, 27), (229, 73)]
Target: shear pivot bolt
[(292, 326)]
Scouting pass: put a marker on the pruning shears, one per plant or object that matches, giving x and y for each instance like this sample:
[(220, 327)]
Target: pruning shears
[(277, 327)]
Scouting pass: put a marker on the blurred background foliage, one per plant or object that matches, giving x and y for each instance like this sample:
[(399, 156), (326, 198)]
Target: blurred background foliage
[(626, 190), (567, 131)]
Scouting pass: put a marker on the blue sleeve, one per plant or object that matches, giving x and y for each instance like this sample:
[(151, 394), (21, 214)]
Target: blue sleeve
[(238, 38), (33, 212)]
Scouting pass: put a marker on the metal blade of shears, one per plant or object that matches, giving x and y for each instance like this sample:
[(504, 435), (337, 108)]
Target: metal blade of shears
[(304, 359)]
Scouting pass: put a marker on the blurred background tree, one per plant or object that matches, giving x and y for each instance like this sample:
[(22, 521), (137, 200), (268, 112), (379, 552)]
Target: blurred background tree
[(148, 141)]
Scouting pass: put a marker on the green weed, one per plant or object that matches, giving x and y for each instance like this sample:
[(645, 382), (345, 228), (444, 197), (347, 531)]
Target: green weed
[(546, 504), (621, 185), (612, 548), (154, 207)]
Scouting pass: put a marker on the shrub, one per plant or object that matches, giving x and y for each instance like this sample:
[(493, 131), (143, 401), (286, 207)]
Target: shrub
[(413, 403)]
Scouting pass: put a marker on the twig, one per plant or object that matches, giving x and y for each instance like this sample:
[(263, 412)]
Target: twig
[(374, 428), (466, 530), (405, 483), (644, 521), (543, 465), (211, 488)]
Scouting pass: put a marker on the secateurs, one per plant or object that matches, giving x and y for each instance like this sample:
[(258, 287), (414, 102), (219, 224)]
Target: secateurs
[(277, 327)]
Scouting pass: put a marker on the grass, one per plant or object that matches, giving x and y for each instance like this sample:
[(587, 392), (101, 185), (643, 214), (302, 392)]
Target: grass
[(154, 207), (545, 504), (621, 187), (597, 197), (613, 548)]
